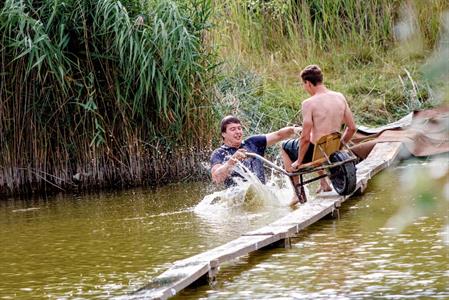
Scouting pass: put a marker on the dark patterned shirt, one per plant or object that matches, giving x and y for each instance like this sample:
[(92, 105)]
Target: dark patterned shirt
[(256, 144)]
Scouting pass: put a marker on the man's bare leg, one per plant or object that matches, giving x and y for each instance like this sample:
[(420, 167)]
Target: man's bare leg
[(288, 167), (324, 184), (295, 199)]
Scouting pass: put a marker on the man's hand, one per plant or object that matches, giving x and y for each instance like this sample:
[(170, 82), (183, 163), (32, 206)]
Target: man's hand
[(239, 155), (297, 130), (296, 164)]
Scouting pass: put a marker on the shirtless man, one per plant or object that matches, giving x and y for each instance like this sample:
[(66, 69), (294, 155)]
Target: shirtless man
[(323, 113), (224, 159)]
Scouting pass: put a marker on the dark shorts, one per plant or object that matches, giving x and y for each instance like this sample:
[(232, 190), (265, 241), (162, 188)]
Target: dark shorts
[(291, 148)]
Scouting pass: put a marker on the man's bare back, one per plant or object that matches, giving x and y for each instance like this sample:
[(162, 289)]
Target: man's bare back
[(327, 112)]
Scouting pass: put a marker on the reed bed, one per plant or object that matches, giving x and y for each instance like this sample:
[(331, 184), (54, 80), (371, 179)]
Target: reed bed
[(113, 93)]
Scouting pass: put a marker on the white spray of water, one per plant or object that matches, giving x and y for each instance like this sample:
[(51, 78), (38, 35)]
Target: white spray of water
[(248, 194)]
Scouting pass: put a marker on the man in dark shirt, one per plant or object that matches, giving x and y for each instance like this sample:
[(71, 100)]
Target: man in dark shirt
[(233, 149)]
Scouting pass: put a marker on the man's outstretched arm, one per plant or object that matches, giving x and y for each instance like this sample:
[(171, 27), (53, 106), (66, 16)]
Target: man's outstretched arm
[(282, 134)]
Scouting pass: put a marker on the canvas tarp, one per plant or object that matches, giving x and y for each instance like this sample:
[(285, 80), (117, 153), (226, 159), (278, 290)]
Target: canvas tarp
[(423, 133)]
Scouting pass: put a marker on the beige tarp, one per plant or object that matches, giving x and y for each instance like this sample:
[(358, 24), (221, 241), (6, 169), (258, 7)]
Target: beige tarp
[(423, 133)]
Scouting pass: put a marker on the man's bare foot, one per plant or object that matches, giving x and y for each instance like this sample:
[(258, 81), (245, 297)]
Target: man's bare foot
[(294, 201), (324, 186)]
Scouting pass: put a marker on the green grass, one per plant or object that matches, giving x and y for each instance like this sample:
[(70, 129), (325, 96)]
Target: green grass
[(357, 45)]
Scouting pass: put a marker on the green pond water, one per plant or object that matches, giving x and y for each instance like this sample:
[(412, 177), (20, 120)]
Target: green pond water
[(108, 245)]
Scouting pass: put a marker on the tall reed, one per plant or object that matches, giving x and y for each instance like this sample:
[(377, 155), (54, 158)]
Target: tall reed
[(113, 92)]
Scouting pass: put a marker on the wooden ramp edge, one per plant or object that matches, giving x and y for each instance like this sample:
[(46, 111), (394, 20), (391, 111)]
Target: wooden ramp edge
[(203, 267)]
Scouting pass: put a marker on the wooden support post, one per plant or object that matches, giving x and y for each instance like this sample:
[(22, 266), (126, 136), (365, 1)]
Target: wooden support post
[(283, 243), (212, 274), (336, 213)]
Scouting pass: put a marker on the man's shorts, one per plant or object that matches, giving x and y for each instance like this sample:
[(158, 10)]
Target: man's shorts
[(291, 148)]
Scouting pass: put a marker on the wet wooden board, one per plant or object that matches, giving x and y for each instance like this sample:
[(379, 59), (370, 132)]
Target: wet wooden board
[(382, 156), (178, 277), (187, 271), (308, 213), (184, 272)]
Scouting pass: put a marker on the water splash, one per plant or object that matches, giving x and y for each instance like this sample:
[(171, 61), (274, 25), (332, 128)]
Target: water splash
[(249, 193)]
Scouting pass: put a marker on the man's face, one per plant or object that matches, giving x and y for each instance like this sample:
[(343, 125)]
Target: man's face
[(233, 135)]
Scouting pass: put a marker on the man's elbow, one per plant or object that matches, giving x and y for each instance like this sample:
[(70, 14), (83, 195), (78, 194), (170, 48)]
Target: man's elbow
[(281, 135), (350, 131), (305, 139)]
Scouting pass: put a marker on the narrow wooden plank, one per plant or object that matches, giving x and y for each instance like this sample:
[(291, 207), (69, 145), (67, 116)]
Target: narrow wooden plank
[(281, 231), (382, 155), (172, 281), (235, 248), (309, 212), (186, 271)]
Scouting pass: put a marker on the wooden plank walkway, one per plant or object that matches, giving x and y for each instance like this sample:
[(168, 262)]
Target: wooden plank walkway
[(203, 267)]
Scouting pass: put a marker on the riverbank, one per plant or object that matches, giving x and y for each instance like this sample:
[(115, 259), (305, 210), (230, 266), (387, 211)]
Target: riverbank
[(104, 94)]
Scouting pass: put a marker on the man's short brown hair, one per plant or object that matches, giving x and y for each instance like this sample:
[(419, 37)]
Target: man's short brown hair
[(228, 120), (313, 74)]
